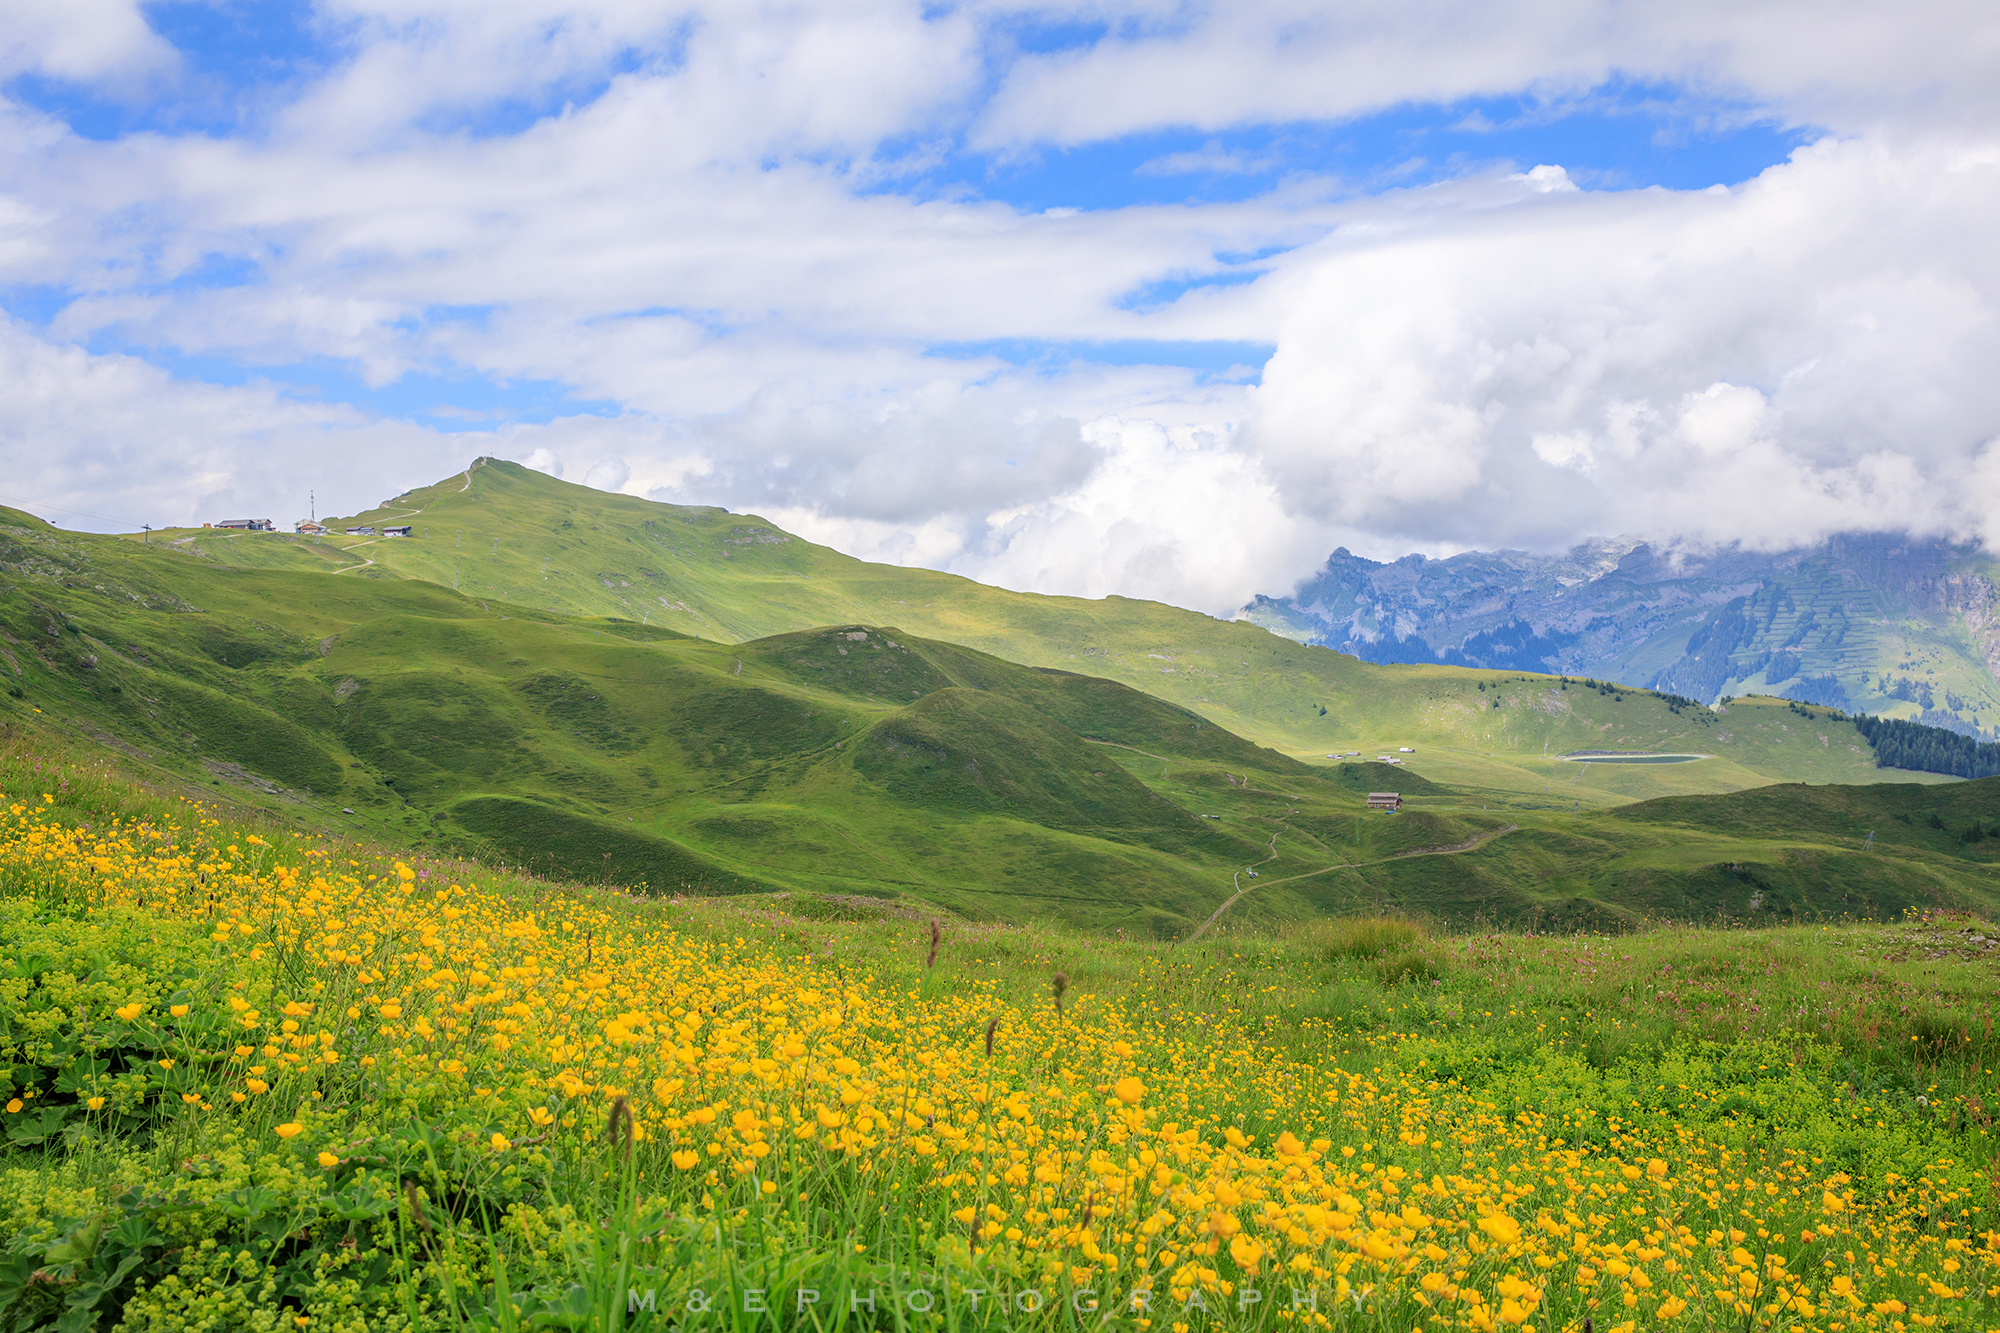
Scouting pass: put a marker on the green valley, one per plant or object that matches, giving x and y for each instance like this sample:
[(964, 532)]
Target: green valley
[(502, 531), (794, 721)]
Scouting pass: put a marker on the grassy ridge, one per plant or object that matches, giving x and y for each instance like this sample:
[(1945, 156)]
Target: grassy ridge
[(504, 531), (611, 749), (867, 761)]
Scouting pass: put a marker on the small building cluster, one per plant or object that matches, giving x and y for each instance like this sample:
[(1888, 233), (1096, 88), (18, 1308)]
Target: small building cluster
[(308, 527)]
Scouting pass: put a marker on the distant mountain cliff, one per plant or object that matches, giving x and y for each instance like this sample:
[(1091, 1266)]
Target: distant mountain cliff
[(1866, 622)]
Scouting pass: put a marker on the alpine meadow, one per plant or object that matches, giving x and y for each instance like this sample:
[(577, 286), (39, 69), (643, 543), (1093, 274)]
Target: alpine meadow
[(938, 666), (596, 914)]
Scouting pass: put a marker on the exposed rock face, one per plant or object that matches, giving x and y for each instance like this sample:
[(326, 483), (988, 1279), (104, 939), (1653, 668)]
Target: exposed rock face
[(1873, 622)]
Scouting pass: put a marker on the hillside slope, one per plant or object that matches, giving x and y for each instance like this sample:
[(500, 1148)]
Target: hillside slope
[(503, 531), (853, 759), (864, 759), (860, 761)]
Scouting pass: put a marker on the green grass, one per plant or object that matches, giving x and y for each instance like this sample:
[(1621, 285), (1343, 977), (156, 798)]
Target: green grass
[(870, 762), (501, 531), (396, 710), (1866, 1048)]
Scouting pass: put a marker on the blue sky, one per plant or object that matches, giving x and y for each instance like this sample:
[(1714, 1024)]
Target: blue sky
[(244, 62), (1167, 300)]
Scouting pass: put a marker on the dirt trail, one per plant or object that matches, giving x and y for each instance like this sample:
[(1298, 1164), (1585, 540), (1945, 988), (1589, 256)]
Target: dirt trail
[(407, 513), (1453, 849), (1240, 889), (1134, 749), (349, 569)]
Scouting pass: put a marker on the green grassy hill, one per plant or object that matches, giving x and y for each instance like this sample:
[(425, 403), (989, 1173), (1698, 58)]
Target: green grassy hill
[(852, 760), (860, 760), (501, 531)]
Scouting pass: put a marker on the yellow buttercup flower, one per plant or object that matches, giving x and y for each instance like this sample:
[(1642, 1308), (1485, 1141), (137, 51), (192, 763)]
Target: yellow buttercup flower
[(738, 1076)]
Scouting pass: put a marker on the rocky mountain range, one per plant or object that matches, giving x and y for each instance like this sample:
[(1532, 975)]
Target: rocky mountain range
[(1871, 623)]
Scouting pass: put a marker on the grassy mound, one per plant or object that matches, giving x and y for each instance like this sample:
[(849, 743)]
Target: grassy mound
[(566, 845), (1961, 820)]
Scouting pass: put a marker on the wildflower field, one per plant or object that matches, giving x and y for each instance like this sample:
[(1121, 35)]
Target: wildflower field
[(263, 1082)]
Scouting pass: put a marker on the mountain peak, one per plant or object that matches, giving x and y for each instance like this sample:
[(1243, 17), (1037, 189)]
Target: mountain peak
[(1875, 622)]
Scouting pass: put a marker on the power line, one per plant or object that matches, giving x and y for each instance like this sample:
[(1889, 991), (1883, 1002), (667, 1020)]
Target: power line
[(63, 509)]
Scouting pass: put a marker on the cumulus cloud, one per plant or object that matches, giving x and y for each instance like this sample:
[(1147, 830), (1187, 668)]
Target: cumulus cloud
[(608, 474), (105, 43), (1176, 515), (113, 442), (1746, 364), (543, 460)]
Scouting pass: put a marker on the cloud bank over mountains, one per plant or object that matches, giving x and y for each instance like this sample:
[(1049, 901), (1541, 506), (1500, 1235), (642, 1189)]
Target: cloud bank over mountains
[(1159, 299)]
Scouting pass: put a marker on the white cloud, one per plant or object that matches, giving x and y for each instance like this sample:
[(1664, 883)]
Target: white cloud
[(1851, 64), (1564, 449), (1175, 515), (936, 450), (543, 460), (608, 474), (100, 42), (1211, 159), (1751, 364), (1724, 420), (110, 442)]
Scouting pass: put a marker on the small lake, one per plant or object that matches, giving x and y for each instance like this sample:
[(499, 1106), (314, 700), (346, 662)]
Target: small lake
[(1632, 758)]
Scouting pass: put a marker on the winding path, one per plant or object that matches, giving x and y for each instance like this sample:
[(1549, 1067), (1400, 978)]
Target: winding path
[(407, 513), (1470, 844), (1134, 749)]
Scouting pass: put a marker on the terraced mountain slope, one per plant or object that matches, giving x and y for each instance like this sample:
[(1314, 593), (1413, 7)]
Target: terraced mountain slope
[(1869, 623), (503, 531)]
